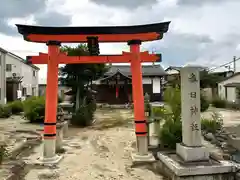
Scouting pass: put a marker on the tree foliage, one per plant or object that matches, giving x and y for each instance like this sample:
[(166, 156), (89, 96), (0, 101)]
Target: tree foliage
[(79, 76), (207, 79), (74, 75), (210, 79)]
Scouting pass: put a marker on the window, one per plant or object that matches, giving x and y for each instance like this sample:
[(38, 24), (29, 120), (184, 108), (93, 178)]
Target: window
[(24, 91), (8, 67), (33, 91), (0, 59), (34, 73)]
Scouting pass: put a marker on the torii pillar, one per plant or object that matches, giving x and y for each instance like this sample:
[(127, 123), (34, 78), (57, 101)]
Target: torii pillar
[(142, 154), (49, 151)]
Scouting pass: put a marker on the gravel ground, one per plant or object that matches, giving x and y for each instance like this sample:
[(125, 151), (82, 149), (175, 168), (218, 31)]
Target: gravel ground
[(102, 153)]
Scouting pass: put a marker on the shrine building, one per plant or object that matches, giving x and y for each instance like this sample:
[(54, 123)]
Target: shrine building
[(116, 88)]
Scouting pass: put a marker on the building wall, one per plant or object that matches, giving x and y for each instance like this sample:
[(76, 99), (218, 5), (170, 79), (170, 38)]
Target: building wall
[(29, 74), (146, 80), (230, 92), (2, 78), (61, 91)]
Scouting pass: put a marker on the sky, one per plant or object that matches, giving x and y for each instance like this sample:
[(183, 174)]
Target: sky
[(202, 32)]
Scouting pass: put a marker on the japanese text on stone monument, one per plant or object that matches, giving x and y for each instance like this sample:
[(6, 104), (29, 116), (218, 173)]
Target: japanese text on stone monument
[(193, 109)]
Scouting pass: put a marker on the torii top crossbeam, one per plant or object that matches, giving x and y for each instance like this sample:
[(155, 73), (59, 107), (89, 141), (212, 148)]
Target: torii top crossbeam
[(41, 34)]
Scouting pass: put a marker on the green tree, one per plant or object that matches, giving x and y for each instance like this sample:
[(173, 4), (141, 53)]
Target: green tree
[(206, 79), (79, 76), (210, 79)]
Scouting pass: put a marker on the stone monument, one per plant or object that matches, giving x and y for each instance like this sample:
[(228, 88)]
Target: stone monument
[(191, 148), (191, 160)]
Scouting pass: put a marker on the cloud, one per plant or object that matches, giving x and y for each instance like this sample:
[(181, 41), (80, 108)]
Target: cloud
[(52, 19), (39, 9), (200, 2), (18, 9), (5, 28), (178, 48), (130, 4), (201, 32), (23, 8), (183, 48)]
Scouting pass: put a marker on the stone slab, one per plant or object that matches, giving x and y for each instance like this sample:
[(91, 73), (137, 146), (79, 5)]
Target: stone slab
[(136, 158), (36, 158), (197, 168), (192, 153)]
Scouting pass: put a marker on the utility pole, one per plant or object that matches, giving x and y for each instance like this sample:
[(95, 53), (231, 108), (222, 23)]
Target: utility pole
[(234, 64)]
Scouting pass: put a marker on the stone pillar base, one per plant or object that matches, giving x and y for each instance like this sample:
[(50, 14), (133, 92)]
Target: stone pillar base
[(49, 161), (153, 141), (65, 129), (59, 138), (189, 154), (153, 137), (137, 158)]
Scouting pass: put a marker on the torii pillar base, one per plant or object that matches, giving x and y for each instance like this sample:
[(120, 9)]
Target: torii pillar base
[(142, 155), (49, 155)]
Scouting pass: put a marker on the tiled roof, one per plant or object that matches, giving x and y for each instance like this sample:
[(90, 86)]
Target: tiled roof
[(147, 70)]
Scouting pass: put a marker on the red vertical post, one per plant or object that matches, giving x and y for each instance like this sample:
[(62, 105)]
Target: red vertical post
[(137, 89), (51, 99)]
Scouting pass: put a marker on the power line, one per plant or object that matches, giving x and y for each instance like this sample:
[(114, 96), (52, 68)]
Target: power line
[(224, 64)]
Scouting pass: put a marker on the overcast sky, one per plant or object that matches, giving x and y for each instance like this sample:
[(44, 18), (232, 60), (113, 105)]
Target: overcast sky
[(202, 32)]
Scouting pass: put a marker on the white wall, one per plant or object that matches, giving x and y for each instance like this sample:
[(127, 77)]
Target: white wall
[(230, 92), (156, 85), (146, 80), (22, 69)]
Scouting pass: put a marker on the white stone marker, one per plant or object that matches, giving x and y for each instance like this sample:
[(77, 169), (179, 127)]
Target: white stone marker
[(191, 148)]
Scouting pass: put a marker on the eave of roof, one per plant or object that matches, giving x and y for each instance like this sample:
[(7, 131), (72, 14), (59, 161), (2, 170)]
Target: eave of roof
[(234, 84), (227, 78), (3, 50), (147, 70), (23, 61), (117, 72)]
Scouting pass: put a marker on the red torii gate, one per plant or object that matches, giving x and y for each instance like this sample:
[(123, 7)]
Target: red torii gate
[(53, 36)]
